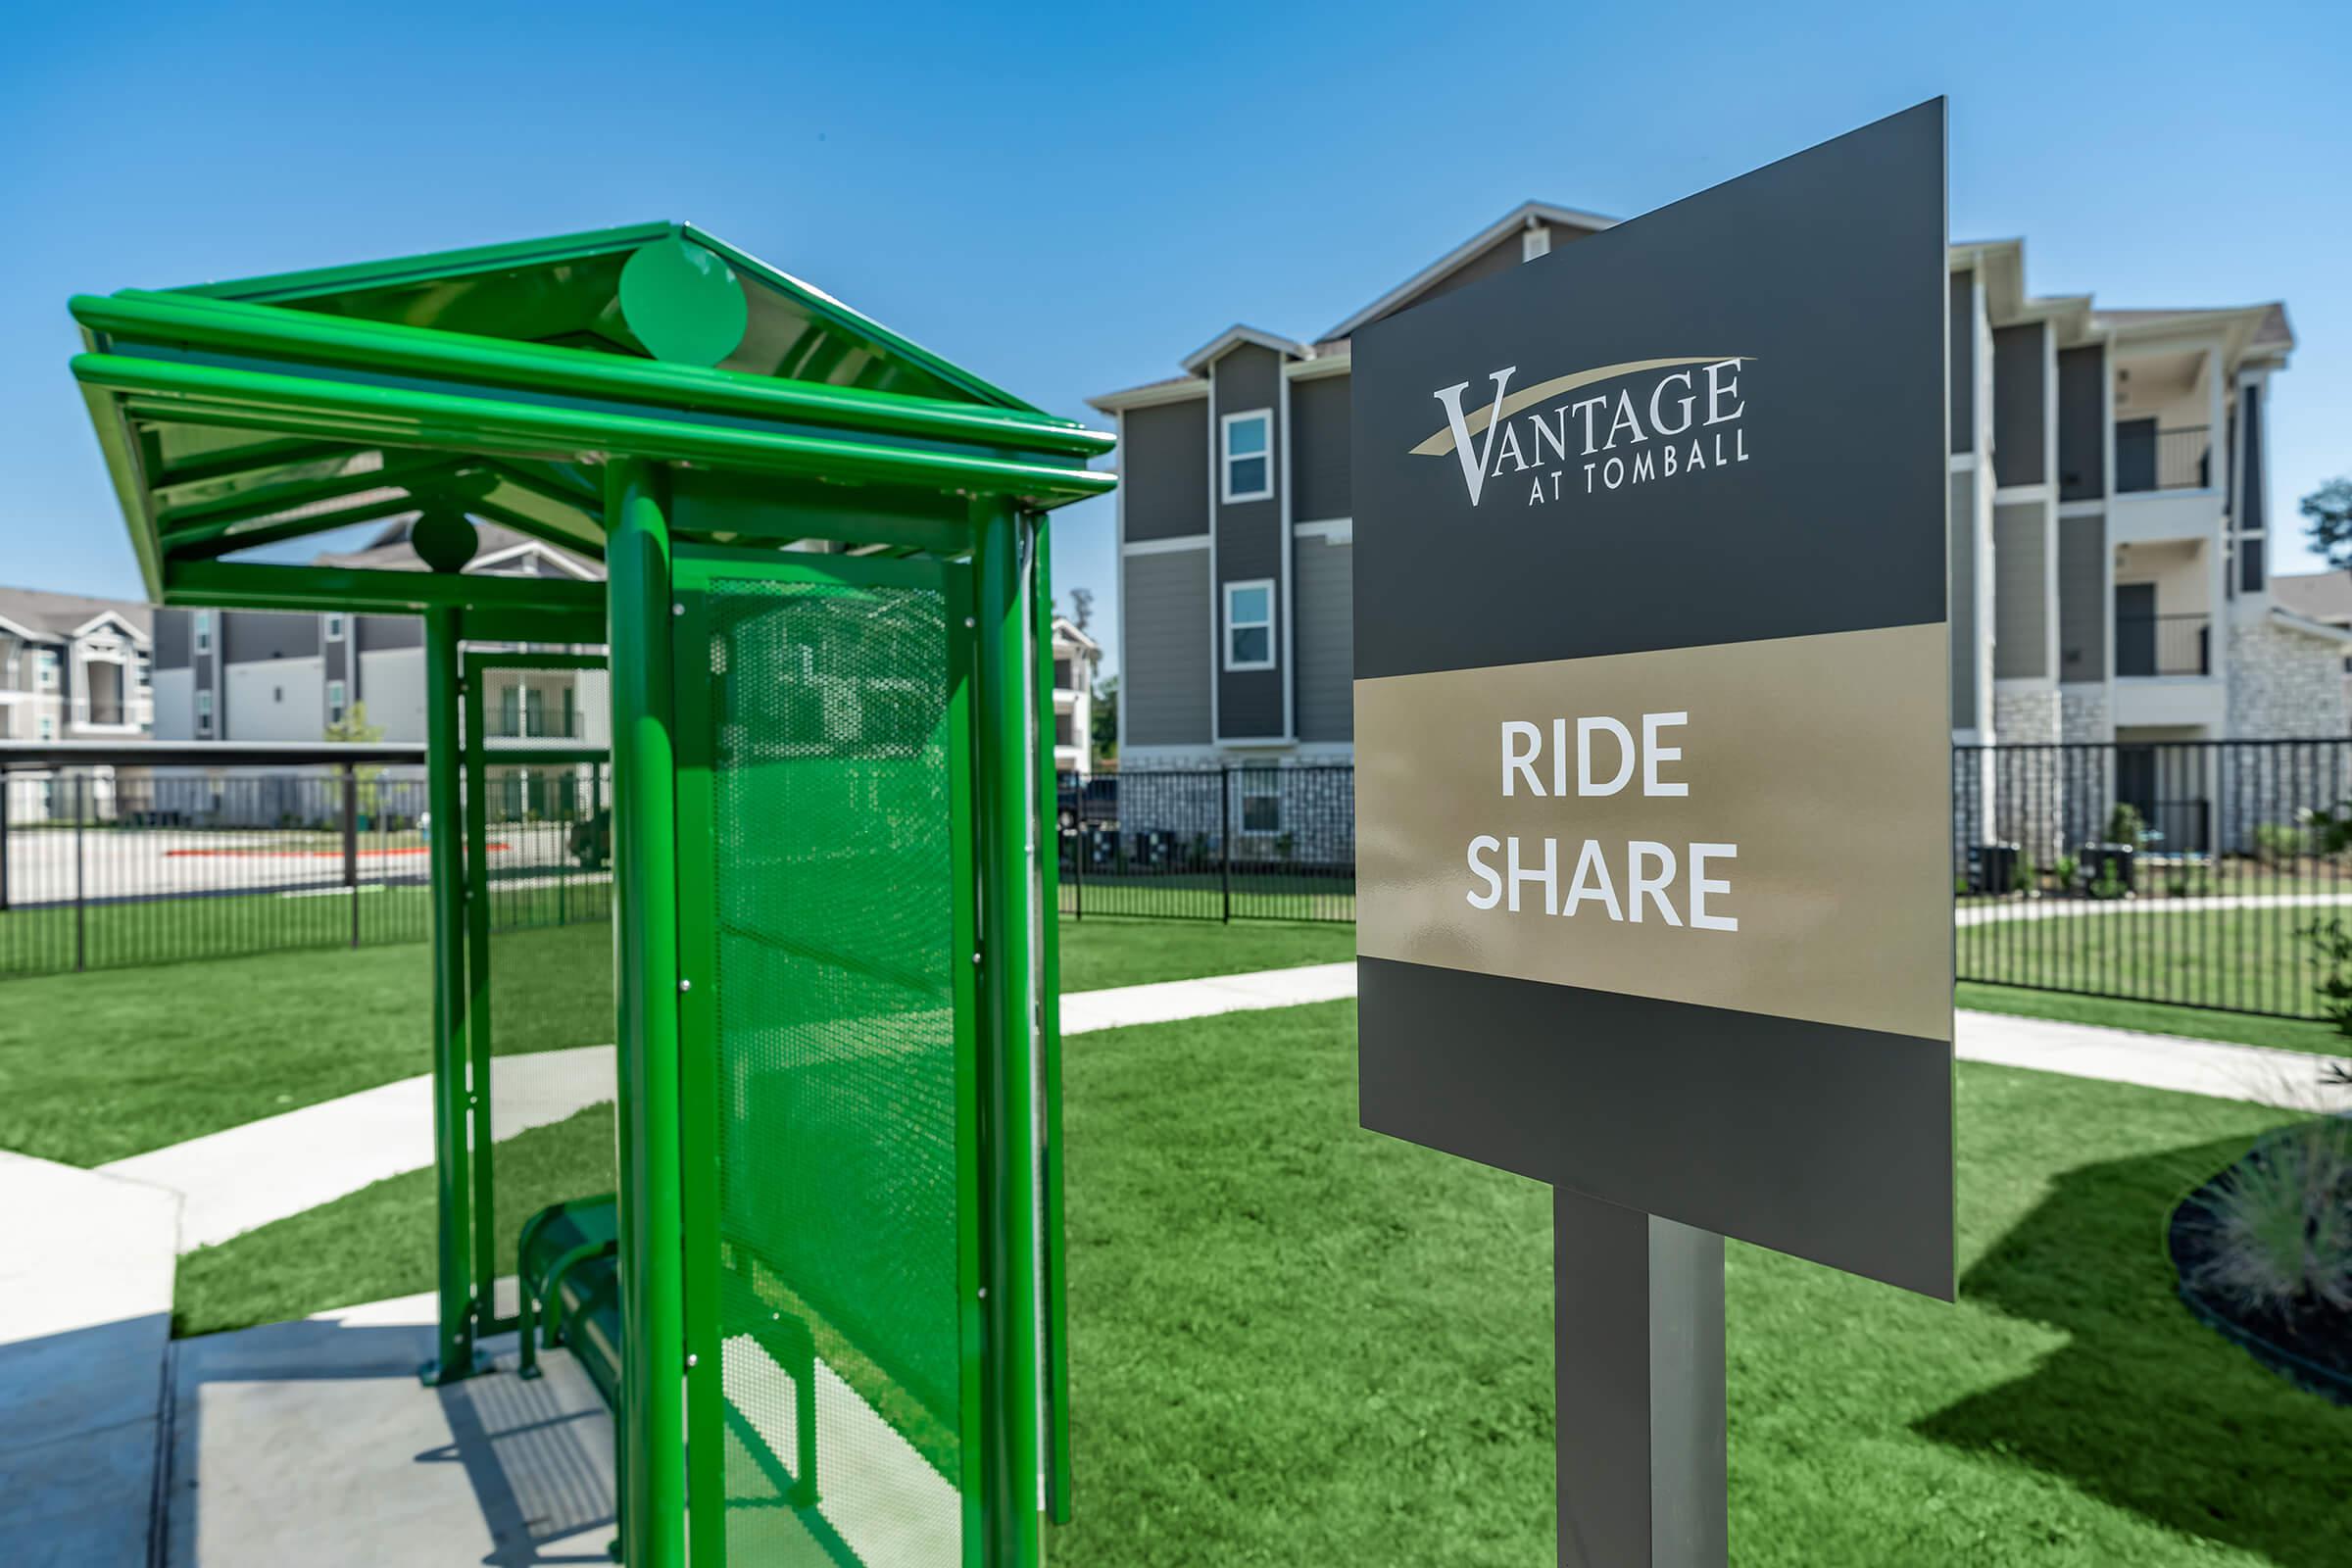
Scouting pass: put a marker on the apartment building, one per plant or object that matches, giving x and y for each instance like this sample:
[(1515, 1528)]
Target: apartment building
[(267, 675), (73, 668), (2110, 509), (1075, 655)]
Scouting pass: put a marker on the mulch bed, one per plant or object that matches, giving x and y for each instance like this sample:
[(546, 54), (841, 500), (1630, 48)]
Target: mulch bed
[(2312, 1348)]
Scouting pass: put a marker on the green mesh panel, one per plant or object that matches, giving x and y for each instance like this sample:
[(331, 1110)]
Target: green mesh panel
[(838, 1192)]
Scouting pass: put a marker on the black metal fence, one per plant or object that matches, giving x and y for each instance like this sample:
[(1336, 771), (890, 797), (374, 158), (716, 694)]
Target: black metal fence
[(108, 866), (2149, 459), (1213, 844), (2200, 873)]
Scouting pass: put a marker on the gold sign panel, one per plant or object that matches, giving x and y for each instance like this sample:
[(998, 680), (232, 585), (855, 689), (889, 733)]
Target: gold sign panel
[(1758, 826)]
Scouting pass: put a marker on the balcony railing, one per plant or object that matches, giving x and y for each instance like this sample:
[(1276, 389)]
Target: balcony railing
[(2147, 459), (2163, 645)]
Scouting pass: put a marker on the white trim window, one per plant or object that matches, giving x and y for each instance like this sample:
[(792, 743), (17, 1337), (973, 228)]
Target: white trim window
[(334, 629), (1246, 454), (45, 665), (334, 702), (1250, 624), (204, 711), (204, 631)]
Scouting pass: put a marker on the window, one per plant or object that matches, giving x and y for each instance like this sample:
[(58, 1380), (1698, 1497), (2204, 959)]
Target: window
[(1065, 674), (1261, 800), (45, 668), (204, 712), (1250, 624), (204, 631), (334, 629), (334, 702), (48, 727), (1065, 730), (1248, 455)]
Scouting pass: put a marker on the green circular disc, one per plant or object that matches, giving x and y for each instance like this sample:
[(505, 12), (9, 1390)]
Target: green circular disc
[(683, 303), (443, 539)]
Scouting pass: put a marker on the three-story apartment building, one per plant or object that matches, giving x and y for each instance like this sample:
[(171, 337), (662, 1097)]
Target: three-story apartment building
[(2109, 524), (269, 675), (73, 668)]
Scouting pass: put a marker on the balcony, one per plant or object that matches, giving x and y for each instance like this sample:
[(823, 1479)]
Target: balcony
[(2147, 459), (2148, 646)]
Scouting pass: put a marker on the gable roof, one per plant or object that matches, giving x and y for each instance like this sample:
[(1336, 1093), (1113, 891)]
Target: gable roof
[(1524, 215), (499, 382), (2324, 596), (47, 615)]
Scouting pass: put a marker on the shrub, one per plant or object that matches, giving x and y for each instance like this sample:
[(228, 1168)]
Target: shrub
[(2021, 877), (2110, 884), (2331, 947), (2125, 825), (2281, 1225), (2064, 868), (2277, 842), (2186, 881)]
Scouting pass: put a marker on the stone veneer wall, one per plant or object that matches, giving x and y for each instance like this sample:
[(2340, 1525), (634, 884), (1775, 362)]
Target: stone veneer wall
[(2027, 788), (2284, 684), (2082, 714)]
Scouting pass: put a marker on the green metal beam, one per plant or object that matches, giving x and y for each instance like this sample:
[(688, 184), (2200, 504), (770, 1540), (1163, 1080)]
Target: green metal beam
[(253, 537), (249, 585), (1052, 1250), (1003, 781), (646, 983), (210, 518), (403, 417), (379, 346), (452, 1101)]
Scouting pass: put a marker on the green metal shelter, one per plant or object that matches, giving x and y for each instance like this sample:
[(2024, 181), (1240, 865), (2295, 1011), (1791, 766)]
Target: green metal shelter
[(827, 1297)]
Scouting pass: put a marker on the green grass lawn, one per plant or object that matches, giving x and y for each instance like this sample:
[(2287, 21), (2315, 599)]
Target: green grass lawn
[(1297, 1341), (2239, 959), (95, 1067)]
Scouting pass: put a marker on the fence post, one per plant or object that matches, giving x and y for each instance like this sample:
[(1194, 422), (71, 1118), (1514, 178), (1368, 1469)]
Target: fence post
[(81, 951), (3, 842), (1225, 838), (350, 844), (1078, 852)]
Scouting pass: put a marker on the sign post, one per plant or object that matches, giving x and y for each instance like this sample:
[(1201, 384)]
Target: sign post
[(1653, 744)]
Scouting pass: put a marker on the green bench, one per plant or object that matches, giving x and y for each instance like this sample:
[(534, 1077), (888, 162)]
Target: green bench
[(567, 1261)]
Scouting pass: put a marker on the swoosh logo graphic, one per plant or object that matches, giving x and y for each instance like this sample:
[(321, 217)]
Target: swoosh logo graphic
[(1438, 445)]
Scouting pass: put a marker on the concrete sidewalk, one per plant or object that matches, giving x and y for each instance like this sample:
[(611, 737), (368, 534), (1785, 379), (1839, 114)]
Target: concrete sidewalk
[(244, 1177), (85, 1324)]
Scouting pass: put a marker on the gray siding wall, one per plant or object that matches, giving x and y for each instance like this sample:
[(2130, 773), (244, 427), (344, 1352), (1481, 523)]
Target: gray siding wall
[(2083, 423), (1961, 520), (173, 638), (1163, 471), (376, 632), (1250, 546), (1164, 678), (1326, 642), (2020, 591), (2083, 598), (1962, 358), (2017, 414), (1319, 414), (248, 636)]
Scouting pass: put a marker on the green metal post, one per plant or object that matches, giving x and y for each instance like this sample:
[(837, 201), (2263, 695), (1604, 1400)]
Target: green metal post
[(452, 1157), (478, 1042), (1055, 1306), (1005, 753), (646, 983)]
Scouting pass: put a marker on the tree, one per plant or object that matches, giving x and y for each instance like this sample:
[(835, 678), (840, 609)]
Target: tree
[(353, 729), (2328, 510), (1082, 607), (1106, 722)]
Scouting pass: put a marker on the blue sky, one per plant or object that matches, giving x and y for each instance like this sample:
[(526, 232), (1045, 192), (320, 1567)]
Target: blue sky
[(1071, 198)]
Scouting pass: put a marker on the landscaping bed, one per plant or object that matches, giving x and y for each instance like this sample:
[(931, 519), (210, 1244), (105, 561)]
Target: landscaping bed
[(2263, 1252)]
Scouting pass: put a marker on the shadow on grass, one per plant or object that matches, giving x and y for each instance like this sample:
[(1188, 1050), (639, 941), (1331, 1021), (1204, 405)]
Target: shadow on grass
[(2145, 1407)]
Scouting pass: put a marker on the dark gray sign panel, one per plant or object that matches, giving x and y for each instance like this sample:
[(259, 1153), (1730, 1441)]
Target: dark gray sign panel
[(1652, 713)]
